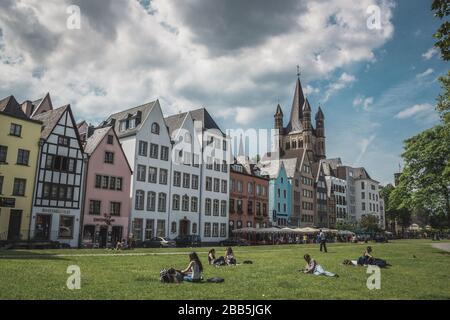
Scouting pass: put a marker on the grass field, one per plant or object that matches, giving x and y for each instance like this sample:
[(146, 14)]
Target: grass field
[(418, 271)]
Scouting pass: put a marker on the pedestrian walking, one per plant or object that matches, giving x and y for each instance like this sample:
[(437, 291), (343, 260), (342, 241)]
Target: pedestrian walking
[(323, 241)]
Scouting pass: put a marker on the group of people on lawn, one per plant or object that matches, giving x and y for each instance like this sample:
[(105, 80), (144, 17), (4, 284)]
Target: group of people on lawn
[(193, 272)]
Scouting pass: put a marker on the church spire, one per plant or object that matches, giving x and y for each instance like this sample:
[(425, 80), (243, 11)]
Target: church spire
[(295, 122), (241, 147)]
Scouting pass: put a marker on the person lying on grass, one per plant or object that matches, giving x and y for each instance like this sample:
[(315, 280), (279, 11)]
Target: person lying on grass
[(368, 259), (193, 272), (312, 267)]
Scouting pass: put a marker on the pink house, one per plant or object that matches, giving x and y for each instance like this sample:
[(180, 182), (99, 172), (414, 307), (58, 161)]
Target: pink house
[(107, 202)]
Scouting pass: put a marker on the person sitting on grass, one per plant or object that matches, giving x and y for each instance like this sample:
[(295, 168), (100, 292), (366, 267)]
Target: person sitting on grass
[(193, 272), (312, 267), (229, 257), (212, 259), (367, 257)]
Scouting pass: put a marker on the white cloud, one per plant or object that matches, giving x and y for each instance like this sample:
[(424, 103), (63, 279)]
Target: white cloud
[(430, 53), (125, 55), (311, 90), (425, 73), (363, 102), (344, 81), (415, 110)]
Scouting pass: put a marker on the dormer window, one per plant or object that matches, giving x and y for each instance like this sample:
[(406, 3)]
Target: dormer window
[(155, 128), (123, 125), (132, 123)]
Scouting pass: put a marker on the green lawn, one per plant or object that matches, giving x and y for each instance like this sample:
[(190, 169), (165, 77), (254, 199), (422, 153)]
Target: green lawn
[(418, 271)]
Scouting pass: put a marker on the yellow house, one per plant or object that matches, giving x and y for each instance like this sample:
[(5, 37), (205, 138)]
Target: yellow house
[(19, 147)]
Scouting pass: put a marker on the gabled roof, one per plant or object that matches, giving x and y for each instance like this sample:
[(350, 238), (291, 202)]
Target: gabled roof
[(41, 105), (50, 119), (203, 115), (145, 110), (290, 165), (10, 106), (175, 122), (295, 123), (96, 138)]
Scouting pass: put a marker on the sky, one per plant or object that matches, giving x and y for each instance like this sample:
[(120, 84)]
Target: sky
[(238, 59)]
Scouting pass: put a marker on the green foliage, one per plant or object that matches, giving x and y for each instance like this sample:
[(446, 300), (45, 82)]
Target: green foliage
[(442, 10), (369, 223), (443, 100), (425, 180)]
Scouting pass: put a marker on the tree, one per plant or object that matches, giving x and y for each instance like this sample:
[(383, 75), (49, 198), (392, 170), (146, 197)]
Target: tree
[(369, 223), (441, 10), (425, 180), (443, 100)]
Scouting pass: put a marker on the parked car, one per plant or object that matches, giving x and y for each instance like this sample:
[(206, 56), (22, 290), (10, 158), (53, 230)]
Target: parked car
[(234, 243), (188, 241), (158, 242)]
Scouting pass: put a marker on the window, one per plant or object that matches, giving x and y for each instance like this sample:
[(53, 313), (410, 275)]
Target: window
[(112, 183), (149, 226), (363, 206), (208, 184), (142, 150), (155, 128), (224, 186), (216, 185), (194, 204), (216, 165), (15, 130), (164, 153), (3, 153), (176, 178), (154, 151), (162, 176), (224, 145), (223, 208), (207, 232), (151, 201), (239, 206), (152, 174), (224, 166), (119, 184), (239, 186), (123, 125), (23, 157), (187, 158), (19, 187), (209, 165), (215, 231), (162, 202), (223, 230), (109, 157), (185, 203), (66, 227), (195, 181), (216, 207), (186, 180), (196, 161), (1, 184), (173, 227), (175, 202), (110, 139), (105, 182), (362, 185), (95, 207), (141, 172), (194, 228), (363, 195), (250, 188), (139, 201), (137, 229), (208, 207), (114, 209), (161, 228), (231, 205)]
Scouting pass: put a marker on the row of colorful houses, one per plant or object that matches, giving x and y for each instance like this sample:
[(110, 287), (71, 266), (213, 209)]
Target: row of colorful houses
[(140, 175)]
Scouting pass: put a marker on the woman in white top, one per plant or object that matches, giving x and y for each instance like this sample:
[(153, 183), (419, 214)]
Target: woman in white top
[(193, 272)]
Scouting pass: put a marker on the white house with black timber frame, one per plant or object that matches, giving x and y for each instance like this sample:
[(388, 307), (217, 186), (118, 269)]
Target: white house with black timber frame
[(58, 191)]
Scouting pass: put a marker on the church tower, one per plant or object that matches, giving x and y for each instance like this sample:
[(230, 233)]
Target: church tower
[(320, 132), (307, 128), (278, 118)]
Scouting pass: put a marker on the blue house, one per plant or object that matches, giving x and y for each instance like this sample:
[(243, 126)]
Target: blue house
[(280, 193)]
